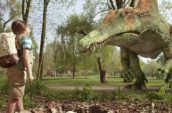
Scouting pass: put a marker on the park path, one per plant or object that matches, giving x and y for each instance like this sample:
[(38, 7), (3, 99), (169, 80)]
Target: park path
[(98, 88)]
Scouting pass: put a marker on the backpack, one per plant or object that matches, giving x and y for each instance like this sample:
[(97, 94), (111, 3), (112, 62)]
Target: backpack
[(8, 51)]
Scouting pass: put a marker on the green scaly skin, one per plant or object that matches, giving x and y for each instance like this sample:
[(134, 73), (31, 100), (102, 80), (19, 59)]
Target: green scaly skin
[(141, 30)]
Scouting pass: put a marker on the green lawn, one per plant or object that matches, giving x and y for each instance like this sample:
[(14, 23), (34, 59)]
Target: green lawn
[(93, 80)]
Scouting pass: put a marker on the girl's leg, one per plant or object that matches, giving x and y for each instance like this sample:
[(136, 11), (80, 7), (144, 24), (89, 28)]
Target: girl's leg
[(19, 104), (11, 105)]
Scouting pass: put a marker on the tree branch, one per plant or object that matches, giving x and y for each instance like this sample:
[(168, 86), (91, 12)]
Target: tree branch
[(23, 8), (47, 2), (6, 22), (103, 3), (100, 12), (28, 3), (2, 20)]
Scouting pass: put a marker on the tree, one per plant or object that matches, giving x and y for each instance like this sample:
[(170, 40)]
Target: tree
[(13, 7), (40, 67), (76, 24), (26, 10)]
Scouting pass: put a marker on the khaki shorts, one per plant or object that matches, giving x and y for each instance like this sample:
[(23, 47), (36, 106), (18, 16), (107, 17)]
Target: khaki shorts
[(17, 81)]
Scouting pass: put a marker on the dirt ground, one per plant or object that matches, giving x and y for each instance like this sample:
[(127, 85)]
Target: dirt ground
[(122, 106), (144, 106), (117, 106)]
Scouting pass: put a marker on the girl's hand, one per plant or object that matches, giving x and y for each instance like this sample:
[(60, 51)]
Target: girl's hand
[(31, 78)]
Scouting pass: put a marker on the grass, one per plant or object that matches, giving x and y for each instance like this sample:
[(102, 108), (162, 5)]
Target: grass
[(93, 80)]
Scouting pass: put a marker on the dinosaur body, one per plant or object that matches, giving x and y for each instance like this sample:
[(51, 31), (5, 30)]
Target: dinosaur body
[(141, 30)]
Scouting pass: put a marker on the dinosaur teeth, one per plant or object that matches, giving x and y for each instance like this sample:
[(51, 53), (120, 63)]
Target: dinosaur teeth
[(94, 48), (95, 45), (100, 45)]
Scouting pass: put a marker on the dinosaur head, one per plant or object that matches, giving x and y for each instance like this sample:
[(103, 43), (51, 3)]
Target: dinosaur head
[(115, 23)]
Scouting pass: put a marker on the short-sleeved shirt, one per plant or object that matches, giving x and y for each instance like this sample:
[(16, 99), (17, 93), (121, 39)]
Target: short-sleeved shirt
[(25, 43)]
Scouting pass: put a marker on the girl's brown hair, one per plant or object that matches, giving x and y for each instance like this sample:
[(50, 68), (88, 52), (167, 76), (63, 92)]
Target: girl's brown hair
[(19, 27)]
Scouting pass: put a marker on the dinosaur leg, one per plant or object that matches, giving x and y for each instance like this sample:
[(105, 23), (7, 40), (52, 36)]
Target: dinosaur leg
[(167, 51), (135, 67), (127, 73), (125, 60)]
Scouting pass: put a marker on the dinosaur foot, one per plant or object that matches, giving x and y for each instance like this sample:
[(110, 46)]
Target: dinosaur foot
[(134, 87), (139, 84)]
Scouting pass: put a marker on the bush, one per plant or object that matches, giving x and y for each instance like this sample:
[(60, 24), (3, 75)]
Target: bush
[(4, 87), (157, 95), (154, 95), (29, 102), (35, 88), (86, 94)]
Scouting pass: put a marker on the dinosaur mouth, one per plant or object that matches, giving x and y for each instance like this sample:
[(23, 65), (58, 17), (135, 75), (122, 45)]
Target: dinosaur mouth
[(97, 45)]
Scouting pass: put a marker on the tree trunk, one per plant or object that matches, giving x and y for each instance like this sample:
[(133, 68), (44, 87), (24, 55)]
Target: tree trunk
[(102, 72), (25, 11), (74, 57), (74, 67), (85, 69), (40, 67)]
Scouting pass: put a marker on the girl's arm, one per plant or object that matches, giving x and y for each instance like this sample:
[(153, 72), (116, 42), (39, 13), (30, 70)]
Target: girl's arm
[(26, 59)]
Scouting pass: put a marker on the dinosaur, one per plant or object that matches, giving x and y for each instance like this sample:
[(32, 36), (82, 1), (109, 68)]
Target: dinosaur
[(142, 30)]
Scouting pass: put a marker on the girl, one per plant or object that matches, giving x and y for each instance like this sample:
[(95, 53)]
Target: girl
[(17, 74)]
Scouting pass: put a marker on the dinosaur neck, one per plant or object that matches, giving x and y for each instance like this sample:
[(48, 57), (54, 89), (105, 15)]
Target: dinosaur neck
[(147, 5)]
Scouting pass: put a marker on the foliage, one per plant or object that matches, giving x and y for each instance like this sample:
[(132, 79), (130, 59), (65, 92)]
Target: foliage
[(4, 90), (150, 68), (29, 102), (161, 94), (165, 8), (39, 89), (86, 94), (12, 8), (35, 88), (65, 50), (4, 87)]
